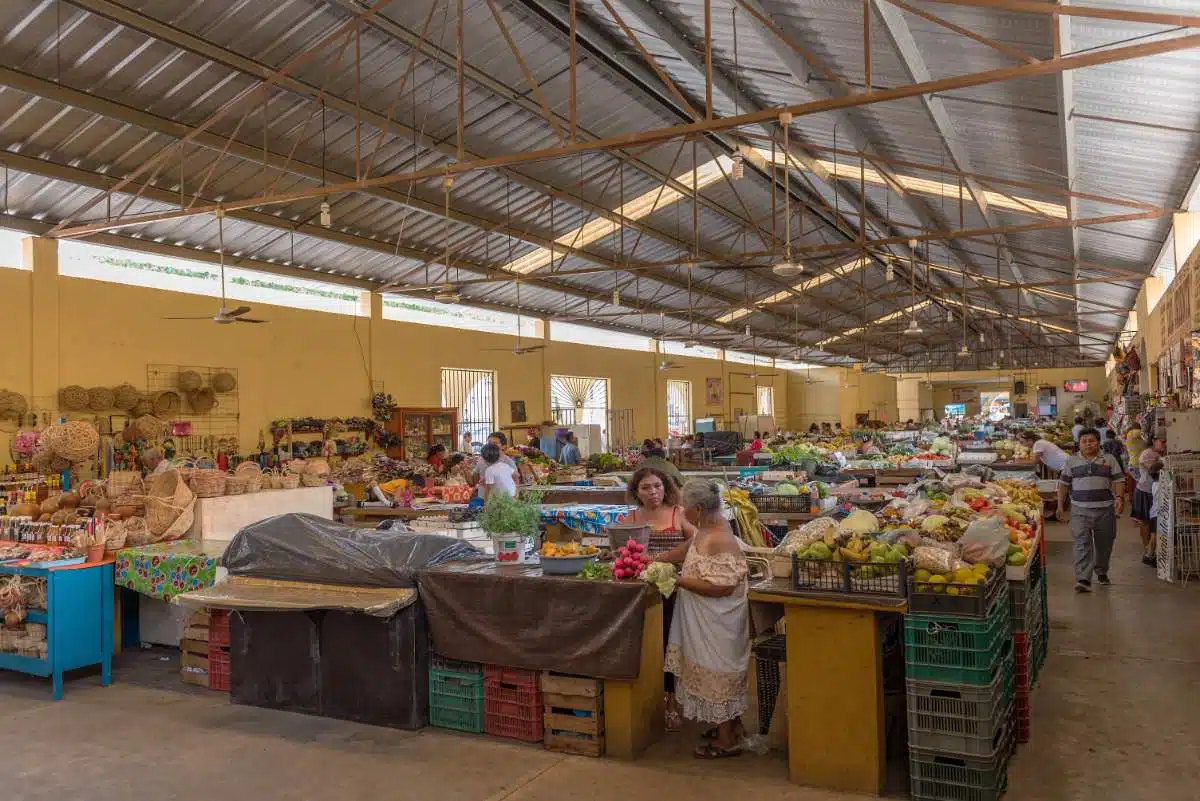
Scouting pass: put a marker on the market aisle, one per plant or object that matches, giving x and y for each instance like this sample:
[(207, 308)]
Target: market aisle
[(1116, 715)]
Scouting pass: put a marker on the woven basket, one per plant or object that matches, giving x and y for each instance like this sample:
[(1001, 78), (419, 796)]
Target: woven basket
[(100, 399), (167, 403), (310, 480), (202, 401), (47, 462), (6, 401), (252, 473), (166, 500), (209, 483), (74, 441), (289, 481), (143, 406), (125, 397), (149, 427), (316, 467), (125, 482), (189, 381), (12, 404), (235, 485), (223, 382), (73, 398)]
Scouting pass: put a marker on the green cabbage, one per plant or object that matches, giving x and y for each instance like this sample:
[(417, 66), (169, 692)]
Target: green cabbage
[(786, 489), (934, 523)]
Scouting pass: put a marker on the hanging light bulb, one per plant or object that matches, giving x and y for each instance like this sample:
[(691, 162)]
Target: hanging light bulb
[(616, 297), (326, 215), (981, 339), (747, 329), (739, 166), (890, 272), (949, 316), (965, 350)]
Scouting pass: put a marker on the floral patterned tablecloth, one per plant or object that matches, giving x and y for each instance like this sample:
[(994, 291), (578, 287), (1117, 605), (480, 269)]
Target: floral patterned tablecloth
[(165, 569), (590, 518)]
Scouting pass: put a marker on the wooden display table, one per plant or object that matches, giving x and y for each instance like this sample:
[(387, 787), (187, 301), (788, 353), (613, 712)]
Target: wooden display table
[(837, 732)]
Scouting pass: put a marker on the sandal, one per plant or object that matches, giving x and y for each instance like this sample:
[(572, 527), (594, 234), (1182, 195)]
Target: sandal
[(674, 720), (715, 751)]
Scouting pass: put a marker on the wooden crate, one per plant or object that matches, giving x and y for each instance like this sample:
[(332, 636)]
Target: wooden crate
[(574, 717), (193, 667)]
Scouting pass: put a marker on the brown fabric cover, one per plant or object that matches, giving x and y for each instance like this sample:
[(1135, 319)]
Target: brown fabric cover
[(512, 615)]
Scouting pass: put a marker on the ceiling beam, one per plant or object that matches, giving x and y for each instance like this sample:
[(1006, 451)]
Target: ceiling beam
[(905, 45), (1065, 98)]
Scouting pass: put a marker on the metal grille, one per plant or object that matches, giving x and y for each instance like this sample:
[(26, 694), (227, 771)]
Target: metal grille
[(679, 407), (1178, 548), (766, 401), (473, 393), (578, 400)]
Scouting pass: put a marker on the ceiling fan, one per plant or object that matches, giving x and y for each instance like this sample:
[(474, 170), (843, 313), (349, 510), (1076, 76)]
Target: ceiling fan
[(519, 349), (224, 315)]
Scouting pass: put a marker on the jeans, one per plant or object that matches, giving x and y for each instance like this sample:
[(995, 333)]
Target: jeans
[(1094, 531)]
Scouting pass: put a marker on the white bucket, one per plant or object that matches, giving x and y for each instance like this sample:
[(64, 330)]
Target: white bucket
[(509, 548)]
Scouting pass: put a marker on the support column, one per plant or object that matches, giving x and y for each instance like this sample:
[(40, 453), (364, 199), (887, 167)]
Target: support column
[(40, 256)]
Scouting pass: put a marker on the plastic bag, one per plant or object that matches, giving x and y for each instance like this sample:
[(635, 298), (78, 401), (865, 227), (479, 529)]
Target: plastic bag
[(935, 560), (985, 540), (806, 535), (915, 509)]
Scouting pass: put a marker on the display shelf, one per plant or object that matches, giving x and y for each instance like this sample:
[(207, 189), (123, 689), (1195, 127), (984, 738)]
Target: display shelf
[(78, 620)]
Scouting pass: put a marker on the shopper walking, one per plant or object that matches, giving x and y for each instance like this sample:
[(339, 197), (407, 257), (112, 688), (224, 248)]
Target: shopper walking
[(1144, 510), (1095, 482), (709, 646), (657, 500), (1113, 446)]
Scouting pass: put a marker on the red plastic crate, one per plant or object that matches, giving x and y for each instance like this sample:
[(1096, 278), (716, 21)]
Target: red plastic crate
[(1021, 662), (218, 669), (218, 628), (1021, 716), (498, 674), (512, 709)]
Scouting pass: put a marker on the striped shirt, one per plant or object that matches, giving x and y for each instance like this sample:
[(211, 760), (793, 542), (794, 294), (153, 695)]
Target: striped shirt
[(1090, 481)]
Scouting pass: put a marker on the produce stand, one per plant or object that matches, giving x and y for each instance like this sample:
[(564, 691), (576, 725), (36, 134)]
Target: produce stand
[(512, 615), (78, 620), (836, 729)]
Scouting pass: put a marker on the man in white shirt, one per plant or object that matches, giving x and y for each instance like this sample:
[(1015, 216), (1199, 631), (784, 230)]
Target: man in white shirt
[(1045, 452)]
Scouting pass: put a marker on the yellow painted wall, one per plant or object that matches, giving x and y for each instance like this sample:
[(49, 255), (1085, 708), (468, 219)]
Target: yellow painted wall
[(990, 381), (307, 363), (836, 395)]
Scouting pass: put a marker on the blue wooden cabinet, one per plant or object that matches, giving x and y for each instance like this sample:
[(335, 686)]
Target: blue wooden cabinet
[(78, 619)]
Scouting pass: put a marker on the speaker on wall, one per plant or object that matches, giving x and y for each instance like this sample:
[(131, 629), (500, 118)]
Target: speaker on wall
[(1019, 388)]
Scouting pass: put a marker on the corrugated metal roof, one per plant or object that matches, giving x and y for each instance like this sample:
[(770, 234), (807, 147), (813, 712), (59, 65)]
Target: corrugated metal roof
[(96, 88)]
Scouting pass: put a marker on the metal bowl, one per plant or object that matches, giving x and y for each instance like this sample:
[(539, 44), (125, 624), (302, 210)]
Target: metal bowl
[(565, 565)]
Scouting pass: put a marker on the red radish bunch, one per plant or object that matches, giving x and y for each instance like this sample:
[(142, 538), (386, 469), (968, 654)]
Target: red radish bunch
[(631, 560)]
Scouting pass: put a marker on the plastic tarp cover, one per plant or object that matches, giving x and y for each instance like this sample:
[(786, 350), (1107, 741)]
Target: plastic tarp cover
[(303, 547)]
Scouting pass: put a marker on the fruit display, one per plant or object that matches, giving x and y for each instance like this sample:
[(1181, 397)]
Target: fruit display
[(558, 550), (631, 561)]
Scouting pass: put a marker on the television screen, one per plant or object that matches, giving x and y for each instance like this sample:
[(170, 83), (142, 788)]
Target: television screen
[(1075, 385)]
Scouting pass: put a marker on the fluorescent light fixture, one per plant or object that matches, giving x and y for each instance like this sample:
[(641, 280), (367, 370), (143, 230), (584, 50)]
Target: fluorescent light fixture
[(849, 171), (733, 316), (640, 207)]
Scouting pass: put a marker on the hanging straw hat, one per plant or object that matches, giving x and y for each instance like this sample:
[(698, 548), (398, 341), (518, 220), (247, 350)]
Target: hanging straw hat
[(100, 399), (224, 382), (73, 398), (125, 397), (189, 381)]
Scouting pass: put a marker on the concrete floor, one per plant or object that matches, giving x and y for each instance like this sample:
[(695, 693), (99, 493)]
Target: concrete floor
[(1116, 715)]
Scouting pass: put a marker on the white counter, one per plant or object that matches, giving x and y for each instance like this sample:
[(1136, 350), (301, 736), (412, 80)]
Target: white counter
[(218, 519)]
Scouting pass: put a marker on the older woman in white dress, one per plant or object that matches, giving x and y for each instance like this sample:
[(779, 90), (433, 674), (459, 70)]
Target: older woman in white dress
[(708, 650)]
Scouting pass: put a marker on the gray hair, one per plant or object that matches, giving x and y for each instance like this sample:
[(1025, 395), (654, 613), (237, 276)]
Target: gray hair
[(151, 454), (702, 494)]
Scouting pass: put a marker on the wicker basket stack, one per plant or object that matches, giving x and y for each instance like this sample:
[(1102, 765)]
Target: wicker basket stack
[(209, 483)]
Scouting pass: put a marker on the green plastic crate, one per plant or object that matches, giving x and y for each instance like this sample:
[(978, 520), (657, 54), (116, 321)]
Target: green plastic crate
[(956, 650), (456, 700), (961, 719), (938, 776)]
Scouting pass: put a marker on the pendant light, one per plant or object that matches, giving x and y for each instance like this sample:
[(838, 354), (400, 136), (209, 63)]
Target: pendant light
[(787, 268), (914, 329)]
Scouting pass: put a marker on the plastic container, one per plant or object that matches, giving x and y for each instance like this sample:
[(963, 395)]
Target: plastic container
[(218, 627), (782, 503), (456, 700), (512, 704), (219, 674), (956, 650), (935, 776), (509, 548), (960, 719), (565, 565), (968, 600), (889, 579), (445, 663)]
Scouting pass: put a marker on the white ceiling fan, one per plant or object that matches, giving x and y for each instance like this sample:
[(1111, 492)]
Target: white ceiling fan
[(519, 349), (224, 315)]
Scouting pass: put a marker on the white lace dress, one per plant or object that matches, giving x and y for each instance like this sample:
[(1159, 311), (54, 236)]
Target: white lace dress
[(709, 646)]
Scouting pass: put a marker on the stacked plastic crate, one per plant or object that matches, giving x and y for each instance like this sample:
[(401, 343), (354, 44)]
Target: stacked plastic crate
[(455, 694), (512, 703), (959, 667), (1028, 616)]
